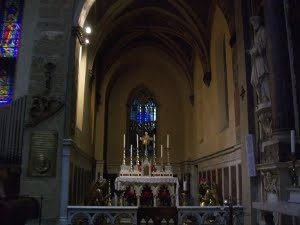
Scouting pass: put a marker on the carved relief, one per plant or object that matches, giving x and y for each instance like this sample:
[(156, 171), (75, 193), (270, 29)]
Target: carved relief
[(264, 114), (43, 154), (43, 106), (270, 155), (270, 183)]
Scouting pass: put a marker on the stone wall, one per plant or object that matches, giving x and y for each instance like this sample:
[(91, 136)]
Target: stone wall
[(45, 39)]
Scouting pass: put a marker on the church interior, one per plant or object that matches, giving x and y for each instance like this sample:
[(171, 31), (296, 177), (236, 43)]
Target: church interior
[(149, 112)]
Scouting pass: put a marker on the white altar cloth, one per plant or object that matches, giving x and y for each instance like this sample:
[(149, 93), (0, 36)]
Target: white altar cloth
[(122, 181)]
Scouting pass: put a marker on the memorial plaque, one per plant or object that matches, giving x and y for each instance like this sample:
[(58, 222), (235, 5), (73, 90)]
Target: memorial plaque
[(43, 150)]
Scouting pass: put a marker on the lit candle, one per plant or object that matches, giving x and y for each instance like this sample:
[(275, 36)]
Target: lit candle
[(293, 141), (137, 156), (185, 185), (131, 155), (161, 151), (168, 140), (124, 141), (137, 141)]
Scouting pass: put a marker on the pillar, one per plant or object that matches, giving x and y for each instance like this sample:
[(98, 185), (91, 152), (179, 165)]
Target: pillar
[(278, 57), (64, 187), (280, 83)]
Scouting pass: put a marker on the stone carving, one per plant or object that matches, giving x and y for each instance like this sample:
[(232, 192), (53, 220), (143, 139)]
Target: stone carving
[(260, 72), (43, 154), (49, 69), (43, 106), (260, 76), (42, 163), (264, 114), (270, 182), (270, 155)]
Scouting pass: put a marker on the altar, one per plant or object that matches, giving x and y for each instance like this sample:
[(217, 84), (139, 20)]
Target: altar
[(156, 184), (148, 182)]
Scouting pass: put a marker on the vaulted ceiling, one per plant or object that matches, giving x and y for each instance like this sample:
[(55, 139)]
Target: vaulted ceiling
[(177, 27)]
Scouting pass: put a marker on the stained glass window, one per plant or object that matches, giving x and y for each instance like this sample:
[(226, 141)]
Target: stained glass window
[(10, 28), (142, 116), (7, 67), (10, 33)]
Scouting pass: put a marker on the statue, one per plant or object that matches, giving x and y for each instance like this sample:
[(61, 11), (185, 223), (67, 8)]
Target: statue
[(97, 194), (260, 72)]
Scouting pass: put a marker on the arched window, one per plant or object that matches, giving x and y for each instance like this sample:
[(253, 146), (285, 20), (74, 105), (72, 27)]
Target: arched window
[(142, 114), (10, 33)]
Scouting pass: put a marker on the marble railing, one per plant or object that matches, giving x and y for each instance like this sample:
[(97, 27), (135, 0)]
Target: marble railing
[(219, 215), (96, 215)]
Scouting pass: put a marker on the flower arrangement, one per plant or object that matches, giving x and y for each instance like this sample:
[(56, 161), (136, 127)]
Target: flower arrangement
[(204, 185), (208, 192), (130, 196)]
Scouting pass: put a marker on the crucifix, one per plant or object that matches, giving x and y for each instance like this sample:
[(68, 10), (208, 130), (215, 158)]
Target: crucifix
[(146, 141)]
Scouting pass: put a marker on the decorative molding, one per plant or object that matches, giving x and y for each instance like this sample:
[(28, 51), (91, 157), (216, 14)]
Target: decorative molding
[(78, 32)]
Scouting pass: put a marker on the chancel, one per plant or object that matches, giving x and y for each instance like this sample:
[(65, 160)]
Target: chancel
[(140, 112)]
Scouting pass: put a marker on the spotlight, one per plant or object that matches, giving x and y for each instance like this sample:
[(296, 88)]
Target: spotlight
[(88, 30), (87, 41)]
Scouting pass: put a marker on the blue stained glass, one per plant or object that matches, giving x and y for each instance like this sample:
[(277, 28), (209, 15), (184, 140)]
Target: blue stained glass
[(6, 80), (143, 113), (10, 32)]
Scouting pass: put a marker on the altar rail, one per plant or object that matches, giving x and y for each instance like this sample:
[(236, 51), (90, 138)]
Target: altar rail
[(189, 215)]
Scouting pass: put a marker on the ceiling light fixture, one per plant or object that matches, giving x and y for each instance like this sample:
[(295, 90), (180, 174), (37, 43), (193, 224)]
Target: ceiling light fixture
[(88, 30)]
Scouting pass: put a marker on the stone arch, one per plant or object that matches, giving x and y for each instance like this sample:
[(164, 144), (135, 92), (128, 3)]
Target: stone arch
[(82, 10)]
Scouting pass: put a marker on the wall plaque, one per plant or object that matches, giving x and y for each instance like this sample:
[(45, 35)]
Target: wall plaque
[(43, 150)]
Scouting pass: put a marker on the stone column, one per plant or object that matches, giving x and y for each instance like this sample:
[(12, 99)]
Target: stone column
[(278, 147), (278, 58), (155, 194), (138, 200), (64, 187)]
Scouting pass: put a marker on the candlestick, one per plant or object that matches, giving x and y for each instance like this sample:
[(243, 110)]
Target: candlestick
[(137, 157), (130, 156), (168, 156), (124, 156), (185, 185), (124, 141), (168, 140), (293, 141)]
